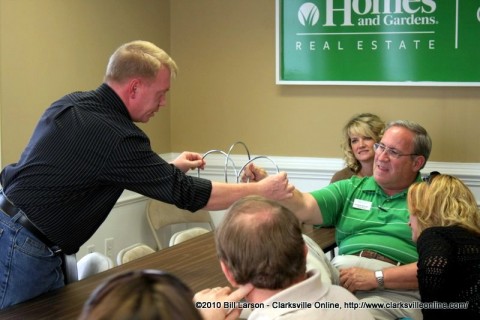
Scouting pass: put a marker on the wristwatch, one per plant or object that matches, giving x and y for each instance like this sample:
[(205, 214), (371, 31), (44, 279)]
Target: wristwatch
[(380, 281)]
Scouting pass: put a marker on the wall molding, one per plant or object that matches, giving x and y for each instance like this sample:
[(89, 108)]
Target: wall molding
[(306, 171)]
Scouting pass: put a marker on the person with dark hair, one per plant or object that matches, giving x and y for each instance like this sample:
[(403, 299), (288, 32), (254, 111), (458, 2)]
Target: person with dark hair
[(141, 295), (445, 223), (85, 151), (260, 243)]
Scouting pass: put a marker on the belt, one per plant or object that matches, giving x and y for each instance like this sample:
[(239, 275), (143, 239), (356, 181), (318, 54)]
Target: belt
[(10, 209), (377, 256)]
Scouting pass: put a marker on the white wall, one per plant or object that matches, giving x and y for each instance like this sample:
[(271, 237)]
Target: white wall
[(127, 223)]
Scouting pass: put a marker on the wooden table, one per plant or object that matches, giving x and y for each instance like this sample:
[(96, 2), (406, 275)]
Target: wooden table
[(194, 261)]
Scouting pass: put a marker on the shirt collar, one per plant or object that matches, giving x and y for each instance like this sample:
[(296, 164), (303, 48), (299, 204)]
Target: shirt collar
[(109, 96), (372, 186), (312, 289)]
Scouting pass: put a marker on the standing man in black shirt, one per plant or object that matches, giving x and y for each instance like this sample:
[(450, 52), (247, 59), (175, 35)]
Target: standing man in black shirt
[(84, 152)]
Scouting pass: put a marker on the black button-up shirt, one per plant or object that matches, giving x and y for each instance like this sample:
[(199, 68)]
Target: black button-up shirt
[(83, 153)]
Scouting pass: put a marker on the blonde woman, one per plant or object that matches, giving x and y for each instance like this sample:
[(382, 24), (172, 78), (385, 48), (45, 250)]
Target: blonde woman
[(445, 223), (359, 135)]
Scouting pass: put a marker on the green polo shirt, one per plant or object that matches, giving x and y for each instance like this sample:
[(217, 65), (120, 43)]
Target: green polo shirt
[(366, 218)]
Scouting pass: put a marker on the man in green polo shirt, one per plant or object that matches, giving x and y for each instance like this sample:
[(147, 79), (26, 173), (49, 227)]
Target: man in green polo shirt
[(377, 258)]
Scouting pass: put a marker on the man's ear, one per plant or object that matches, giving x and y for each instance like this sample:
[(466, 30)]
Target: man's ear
[(133, 87), (228, 274), (418, 163)]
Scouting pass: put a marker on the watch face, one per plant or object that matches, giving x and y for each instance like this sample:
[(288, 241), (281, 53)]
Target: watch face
[(379, 276)]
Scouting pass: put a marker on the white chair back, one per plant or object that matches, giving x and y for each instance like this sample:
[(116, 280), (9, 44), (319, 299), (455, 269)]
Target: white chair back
[(93, 263), (185, 235), (161, 215), (133, 252)]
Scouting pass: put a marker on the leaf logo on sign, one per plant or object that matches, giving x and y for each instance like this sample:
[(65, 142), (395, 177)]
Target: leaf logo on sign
[(308, 14)]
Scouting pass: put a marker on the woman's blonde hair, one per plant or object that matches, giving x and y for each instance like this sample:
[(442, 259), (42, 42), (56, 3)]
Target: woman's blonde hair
[(366, 125), (444, 201)]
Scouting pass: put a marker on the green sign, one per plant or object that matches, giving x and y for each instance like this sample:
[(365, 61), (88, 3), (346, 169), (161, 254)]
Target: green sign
[(378, 42)]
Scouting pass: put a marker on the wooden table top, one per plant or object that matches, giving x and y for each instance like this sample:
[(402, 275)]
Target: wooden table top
[(194, 261)]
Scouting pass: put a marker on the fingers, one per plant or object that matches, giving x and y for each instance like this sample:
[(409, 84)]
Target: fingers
[(233, 314), (245, 177), (238, 295), (220, 295), (216, 295), (226, 293), (209, 292), (260, 173), (192, 156), (277, 187), (219, 291), (252, 173), (241, 292), (248, 173), (196, 164), (343, 276), (355, 278), (347, 283), (290, 190)]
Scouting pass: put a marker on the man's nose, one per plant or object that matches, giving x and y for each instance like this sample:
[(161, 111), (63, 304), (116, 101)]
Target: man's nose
[(381, 155)]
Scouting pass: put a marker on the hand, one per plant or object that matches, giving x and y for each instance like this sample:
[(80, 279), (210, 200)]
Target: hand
[(277, 187), (251, 173), (354, 279), (189, 160), (221, 295)]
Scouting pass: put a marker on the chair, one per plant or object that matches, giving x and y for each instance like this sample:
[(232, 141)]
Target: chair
[(93, 263), (161, 215), (133, 252), (185, 235)]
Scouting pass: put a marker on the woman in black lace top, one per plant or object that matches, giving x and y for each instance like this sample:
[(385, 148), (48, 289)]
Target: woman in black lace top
[(445, 223)]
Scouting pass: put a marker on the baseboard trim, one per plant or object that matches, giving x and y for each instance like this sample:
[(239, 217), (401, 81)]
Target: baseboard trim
[(306, 169)]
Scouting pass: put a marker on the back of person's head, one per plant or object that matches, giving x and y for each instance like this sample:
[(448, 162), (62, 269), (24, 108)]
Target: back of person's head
[(443, 201), (422, 143), (138, 59), (261, 243), (141, 295), (365, 125)]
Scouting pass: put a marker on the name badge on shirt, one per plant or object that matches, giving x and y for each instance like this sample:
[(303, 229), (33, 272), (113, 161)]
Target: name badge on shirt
[(362, 204)]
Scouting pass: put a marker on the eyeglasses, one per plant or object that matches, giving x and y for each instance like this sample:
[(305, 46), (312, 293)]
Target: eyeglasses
[(156, 276), (392, 153), (428, 179)]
